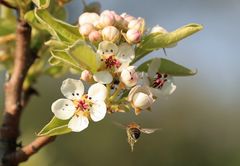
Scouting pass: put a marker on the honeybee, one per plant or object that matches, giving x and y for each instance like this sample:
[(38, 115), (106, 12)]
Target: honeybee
[(134, 131)]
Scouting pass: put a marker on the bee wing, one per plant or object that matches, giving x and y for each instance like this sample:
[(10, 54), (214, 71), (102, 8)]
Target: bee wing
[(119, 125), (148, 131)]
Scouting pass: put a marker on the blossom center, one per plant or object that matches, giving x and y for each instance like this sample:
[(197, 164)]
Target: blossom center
[(159, 80), (83, 104), (111, 62)]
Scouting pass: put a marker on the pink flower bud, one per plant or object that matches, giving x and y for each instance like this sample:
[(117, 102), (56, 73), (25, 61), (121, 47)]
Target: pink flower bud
[(110, 33), (127, 17), (85, 29), (107, 18), (88, 18), (137, 24), (95, 36), (86, 76), (133, 36)]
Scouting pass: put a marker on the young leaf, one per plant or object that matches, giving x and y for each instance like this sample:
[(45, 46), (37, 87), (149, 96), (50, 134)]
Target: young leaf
[(155, 41), (85, 55), (168, 67), (64, 57), (42, 4), (159, 40), (55, 127), (59, 29)]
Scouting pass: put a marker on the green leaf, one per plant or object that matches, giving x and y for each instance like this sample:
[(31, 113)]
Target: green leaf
[(42, 4), (85, 55), (60, 30), (159, 40), (64, 57), (55, 127), (168, 67), (155, 41)]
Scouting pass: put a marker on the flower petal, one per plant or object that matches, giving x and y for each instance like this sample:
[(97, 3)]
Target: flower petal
[(98, 111), (72, 89), (143, 79), (125, 53), (106, 48), (168, 87), (129, 76), (78, 123), (142, 100), (63, 108), (103, 77), (153, 67), (98, 92)]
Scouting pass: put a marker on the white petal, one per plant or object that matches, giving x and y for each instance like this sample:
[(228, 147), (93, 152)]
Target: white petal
[(103, 77), (125, 53), (63, 108), (138, 88), (98, 111), (72, 89), (168, 87), (142, 100), (143, 79), (78, 123), (98, 92), (153, 67), (106, 48)]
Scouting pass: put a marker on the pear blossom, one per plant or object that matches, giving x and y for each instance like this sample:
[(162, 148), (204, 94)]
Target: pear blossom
[(115, 59), (160, 83), (141, 98), (79, 107), (129, 76), (127, 17)]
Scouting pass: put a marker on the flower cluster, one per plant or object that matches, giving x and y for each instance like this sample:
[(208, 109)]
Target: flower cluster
[(117, 85)]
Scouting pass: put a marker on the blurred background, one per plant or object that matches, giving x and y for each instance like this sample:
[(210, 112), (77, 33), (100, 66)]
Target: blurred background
[(200, 121)]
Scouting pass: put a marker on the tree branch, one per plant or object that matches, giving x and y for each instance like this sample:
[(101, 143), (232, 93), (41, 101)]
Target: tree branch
[(7, 4), (27, 151), (23, 59)]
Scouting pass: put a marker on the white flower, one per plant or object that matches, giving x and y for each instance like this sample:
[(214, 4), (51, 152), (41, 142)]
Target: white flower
[(141, 98), (79, 107), (129, 76), (161, 83), (115, 59)]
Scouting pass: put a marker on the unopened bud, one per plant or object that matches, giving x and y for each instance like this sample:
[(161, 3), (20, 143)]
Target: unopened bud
[(138, 24), (110, 33), (95, 36), (129, 76), (88, 18), (133, 36), (127, 17), (86, 76), (107, 18), (86, 29)]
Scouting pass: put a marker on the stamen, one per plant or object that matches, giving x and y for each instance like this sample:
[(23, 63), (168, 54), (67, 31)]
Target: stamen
[(112, 62), (159, 80)]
